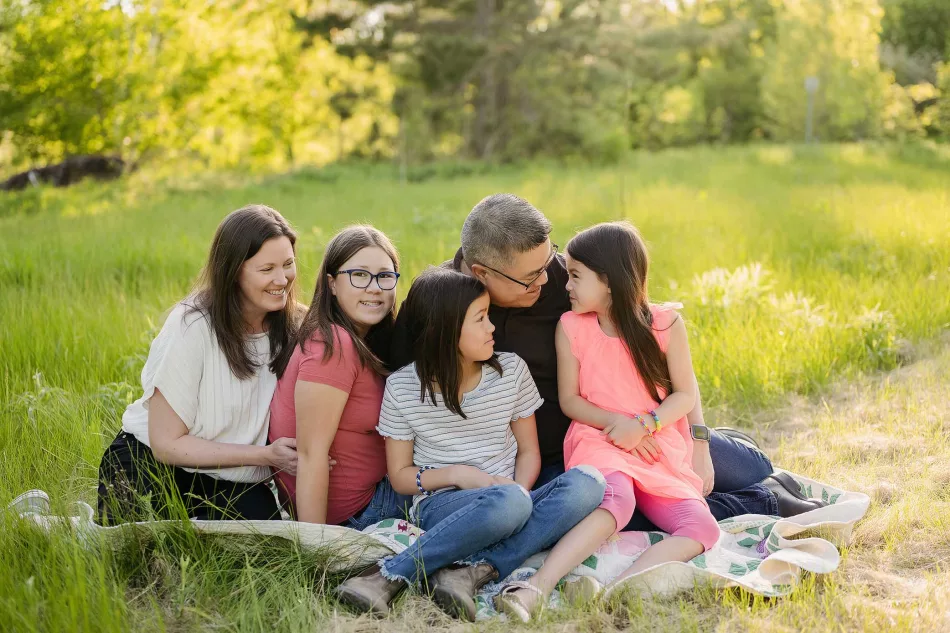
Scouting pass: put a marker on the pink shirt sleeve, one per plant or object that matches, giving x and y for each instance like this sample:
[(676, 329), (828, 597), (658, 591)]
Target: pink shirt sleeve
[(339, 371)]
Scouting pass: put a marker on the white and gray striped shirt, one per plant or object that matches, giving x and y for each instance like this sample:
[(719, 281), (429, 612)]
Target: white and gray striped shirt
[(442, 438)]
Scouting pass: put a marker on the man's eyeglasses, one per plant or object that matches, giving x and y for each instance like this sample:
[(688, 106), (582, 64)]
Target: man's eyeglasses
[(360, 278), (527, 285)]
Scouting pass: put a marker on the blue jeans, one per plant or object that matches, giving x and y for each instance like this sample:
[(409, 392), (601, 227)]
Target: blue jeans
[(499, 525), (737, 465), (385, 504), (736, 490)]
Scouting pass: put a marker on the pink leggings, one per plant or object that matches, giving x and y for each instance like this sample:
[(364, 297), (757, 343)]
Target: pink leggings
[(680, 517)]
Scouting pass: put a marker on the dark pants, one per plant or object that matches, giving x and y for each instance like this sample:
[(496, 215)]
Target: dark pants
[(134, 486), (736, 490)]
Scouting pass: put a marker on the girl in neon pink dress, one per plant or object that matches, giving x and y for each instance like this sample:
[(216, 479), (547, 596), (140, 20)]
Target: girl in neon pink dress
[(626, 380)]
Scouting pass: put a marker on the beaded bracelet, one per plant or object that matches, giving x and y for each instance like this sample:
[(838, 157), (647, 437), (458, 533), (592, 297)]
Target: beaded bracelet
[(656, 419), (643, 424), (422, 490)]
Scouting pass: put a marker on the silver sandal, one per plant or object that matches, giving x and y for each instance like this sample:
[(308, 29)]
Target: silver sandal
[(509, 604)]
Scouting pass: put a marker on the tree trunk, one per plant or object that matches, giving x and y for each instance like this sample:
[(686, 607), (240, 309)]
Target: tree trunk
[(484, 123)]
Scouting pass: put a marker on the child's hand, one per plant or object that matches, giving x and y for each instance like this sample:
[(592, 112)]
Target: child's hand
[(623, 432), (648, 450), (469, 477)]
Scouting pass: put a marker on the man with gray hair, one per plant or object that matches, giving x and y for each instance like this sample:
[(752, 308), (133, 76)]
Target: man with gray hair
[(506, 245)]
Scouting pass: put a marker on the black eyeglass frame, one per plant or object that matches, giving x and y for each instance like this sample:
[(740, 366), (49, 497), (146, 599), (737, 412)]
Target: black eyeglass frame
[(349, 272), (527, 286)]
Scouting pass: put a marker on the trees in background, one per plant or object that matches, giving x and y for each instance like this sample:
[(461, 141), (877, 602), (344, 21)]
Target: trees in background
[(230, 82), (275, 84)]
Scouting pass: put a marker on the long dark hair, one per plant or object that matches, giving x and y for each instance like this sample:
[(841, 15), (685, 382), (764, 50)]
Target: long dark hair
[(325, 310), (616, 252), (217, 295), (433, 312)]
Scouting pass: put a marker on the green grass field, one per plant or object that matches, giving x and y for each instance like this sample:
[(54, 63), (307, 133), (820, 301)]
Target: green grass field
[(809, 275)]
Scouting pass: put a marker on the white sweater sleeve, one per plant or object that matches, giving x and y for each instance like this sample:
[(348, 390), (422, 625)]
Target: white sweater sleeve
[(175, 363)]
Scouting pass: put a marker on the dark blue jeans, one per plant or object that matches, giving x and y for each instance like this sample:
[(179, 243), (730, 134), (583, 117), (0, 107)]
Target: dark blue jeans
[(739, 469)]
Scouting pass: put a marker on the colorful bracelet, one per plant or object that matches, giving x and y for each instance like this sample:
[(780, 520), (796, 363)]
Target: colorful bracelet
[(643, 424), (656, 419), (422, 490)]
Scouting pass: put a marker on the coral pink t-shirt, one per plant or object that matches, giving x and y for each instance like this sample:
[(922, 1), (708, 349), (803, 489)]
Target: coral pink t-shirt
[(359, 451)]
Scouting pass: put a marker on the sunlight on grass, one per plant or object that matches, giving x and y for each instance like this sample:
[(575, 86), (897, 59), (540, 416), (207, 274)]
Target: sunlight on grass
[(810, 277)]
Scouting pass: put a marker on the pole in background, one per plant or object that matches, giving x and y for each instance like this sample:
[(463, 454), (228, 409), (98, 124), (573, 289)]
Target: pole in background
[(811, 87)]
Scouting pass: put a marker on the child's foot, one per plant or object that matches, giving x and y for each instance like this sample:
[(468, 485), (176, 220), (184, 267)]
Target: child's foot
[(454, 588), (520, 600), (370, 593), (582, 590)]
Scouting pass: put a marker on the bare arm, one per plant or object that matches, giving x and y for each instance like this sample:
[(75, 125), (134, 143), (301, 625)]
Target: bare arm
[(680, 401), (319, 408), (171, 444), (702, 460), (696, 417), (528, 461), (572, 403), (402, 472)]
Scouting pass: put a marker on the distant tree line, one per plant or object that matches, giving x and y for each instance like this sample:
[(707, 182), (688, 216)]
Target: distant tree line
[(273, 84)]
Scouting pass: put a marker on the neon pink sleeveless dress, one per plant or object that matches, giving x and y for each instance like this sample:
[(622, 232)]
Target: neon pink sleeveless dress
[(609, 379)]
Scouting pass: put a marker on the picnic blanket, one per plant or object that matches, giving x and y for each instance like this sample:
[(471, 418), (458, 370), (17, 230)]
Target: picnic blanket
[(762, 554)]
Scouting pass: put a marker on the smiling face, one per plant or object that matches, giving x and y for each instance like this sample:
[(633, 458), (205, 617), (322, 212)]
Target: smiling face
[(529, 268), (476, 342), (365, 307), (588, 292), (266, 278)]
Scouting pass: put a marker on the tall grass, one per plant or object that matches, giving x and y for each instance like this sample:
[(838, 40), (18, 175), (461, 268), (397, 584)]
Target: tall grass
[(798, 266)]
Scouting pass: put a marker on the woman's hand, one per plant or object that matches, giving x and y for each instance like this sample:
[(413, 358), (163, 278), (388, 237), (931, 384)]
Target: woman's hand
[(282, 455), (623, 432)]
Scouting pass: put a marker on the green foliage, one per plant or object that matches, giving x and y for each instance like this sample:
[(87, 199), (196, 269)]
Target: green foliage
[(797, 265), (273, 85), (835, 41), (228, 82), (919, 26)]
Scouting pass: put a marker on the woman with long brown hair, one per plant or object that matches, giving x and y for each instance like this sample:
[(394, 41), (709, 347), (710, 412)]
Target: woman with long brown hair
[(195, 444), (331, 387)]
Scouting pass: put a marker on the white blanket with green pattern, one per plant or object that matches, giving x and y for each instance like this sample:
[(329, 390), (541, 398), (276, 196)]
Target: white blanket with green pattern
[(765, 555)]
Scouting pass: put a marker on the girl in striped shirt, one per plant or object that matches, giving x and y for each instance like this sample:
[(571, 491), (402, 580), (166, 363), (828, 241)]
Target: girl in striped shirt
[(460, 435)]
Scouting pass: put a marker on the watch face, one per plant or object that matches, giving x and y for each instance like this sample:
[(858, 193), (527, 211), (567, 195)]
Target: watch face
[(700, 432)]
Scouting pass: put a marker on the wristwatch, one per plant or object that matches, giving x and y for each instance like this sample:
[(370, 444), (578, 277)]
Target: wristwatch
[(699, 432)]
